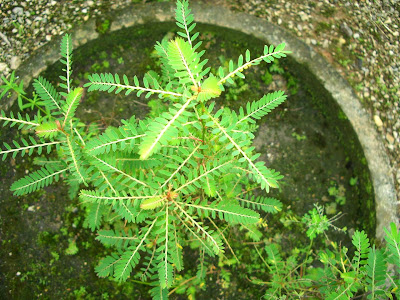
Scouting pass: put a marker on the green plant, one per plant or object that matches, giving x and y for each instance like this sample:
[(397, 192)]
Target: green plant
[(162, 183), (339, 193), (19, 27), (368, 273), (103, 26), (72, 248), (299, 137), (180, 178)]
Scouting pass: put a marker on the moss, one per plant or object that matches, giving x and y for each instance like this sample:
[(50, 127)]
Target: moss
[(103, 25), (322, 27), (328, 11)]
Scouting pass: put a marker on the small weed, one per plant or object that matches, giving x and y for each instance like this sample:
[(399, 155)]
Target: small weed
[(267, 78), (103, 26), (328, 11), (322, 26), (344, 62), (19, 27), (353, 181), (338, 192), (293, 85), (299, 137), (55, 255), (72, 248)]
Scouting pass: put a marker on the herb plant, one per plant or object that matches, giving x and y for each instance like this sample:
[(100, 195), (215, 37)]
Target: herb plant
[(335, 272), (180, 176), (169, 178)]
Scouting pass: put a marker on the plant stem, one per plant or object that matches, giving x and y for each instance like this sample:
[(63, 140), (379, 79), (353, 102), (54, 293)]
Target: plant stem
[(188, 280)]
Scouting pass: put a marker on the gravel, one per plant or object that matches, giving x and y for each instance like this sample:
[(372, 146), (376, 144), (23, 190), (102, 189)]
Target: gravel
[(360, 38)]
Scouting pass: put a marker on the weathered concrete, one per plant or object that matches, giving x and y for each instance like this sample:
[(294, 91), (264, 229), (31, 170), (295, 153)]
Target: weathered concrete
[(378, 162)]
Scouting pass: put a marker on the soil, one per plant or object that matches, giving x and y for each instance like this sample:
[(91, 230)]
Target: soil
[(307, 139)]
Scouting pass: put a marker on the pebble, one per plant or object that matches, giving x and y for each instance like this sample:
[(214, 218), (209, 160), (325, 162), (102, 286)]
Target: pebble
[(390, 138), (3, 67), (378, 121), (18, 11), (303, 16), (346, 30), (359, 63), (15, 61)]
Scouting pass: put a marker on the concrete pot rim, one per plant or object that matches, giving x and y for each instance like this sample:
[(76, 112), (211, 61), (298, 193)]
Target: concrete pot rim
[(337, 86)]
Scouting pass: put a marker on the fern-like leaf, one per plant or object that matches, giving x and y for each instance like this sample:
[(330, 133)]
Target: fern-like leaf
[(185, 61), (37, 180), (47, 130), (344, 292), (26, 123), (74, 159), (113, 139), (162, 130), (108, 165), (47, 92), (252, 232), (165, 273), (184, 20), (107, 197), (66, 59), (212, 243), (269, 205), (177, 257), (393, 243), (165, 269), (117, 238), (209, 89), (231, 213), (361, 242), (158, 293), (28, 149), (195, 180), (376, 272), (112, 83), (106, 266), (259, 172), (130, 258), (153, 203), (258, 109), (95, 215), (71, 104), (270, 53), (274, 258)]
